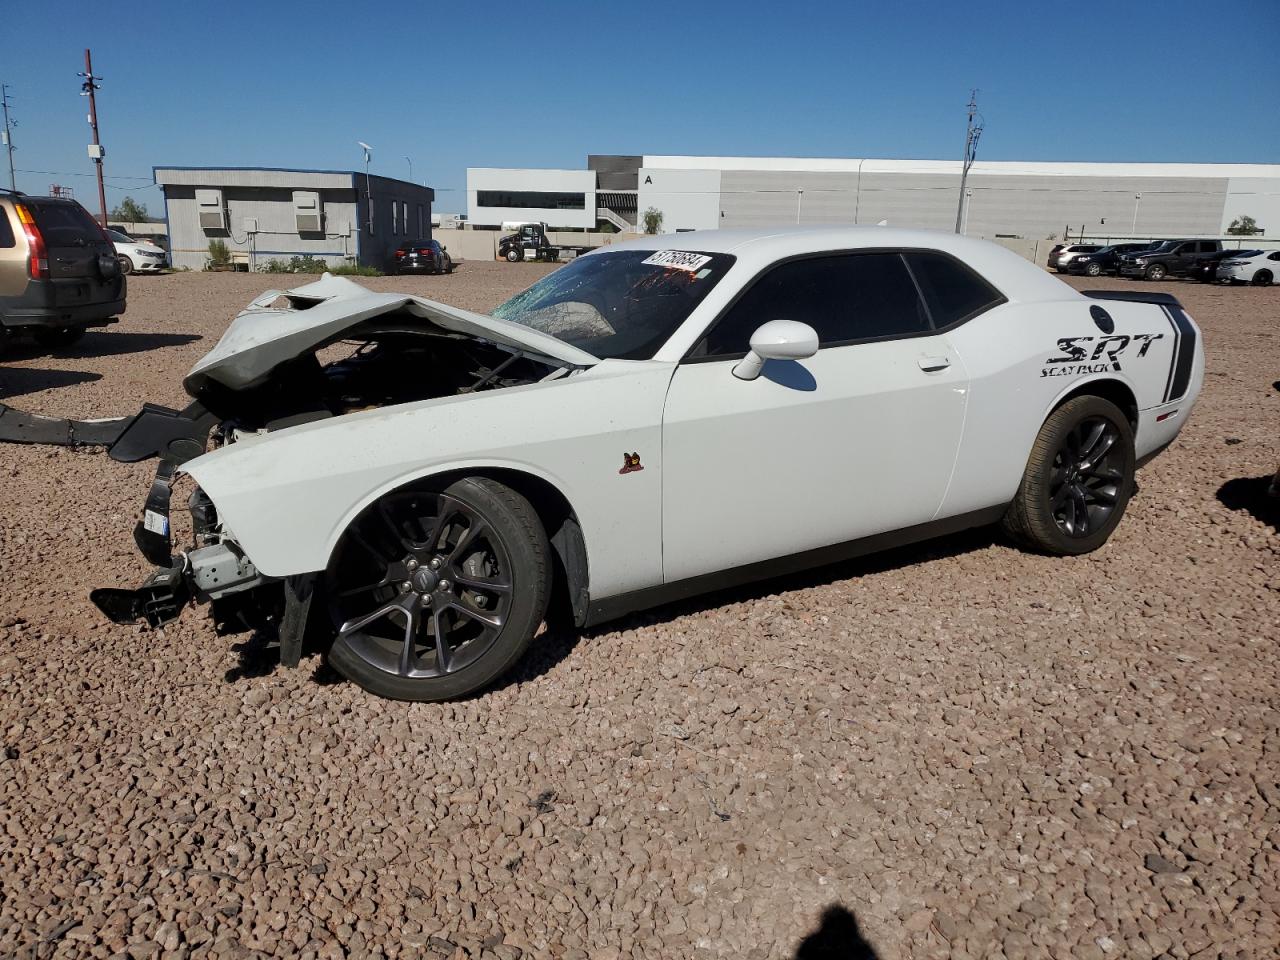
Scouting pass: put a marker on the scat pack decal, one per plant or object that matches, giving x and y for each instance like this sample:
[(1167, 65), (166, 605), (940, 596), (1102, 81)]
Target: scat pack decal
[(1077, 358)]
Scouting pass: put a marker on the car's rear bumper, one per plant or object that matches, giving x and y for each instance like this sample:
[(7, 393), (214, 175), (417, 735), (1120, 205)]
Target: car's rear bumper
[(81, 315)]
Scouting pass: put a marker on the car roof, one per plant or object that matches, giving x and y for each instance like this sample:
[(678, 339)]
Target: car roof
[(1015, 277)]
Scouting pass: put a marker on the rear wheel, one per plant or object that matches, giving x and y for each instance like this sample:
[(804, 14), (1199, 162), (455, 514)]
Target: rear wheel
[(1262, 278), (1078, 479), (126, 265), (54, 337), (1156, 271), (436, 593)]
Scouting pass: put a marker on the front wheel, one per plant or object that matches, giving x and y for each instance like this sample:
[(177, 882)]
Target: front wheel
[(435, 593), (1078, 479), (1262, 278), (1156, 271), (1093, 269), (514, 255), (126, 265)]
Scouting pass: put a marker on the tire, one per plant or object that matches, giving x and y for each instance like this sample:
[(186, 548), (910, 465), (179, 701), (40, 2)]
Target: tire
[(1046, 513), (55, 337), (1262, 278), (413, 551), (514, 254), (1093, 269), (1157, 271), (126, 265)]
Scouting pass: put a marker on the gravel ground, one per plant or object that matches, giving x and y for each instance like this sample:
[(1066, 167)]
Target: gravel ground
[(972, 751)]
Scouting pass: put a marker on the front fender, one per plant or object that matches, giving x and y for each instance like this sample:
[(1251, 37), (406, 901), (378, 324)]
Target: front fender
[(287, 497)]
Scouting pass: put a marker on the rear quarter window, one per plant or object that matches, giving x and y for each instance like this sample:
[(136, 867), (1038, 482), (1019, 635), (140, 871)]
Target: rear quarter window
[(7, 238), (953, 292), (64, 224)]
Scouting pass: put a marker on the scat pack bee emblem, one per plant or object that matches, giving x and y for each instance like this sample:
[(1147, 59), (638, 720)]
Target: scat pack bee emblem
[(630, 463)]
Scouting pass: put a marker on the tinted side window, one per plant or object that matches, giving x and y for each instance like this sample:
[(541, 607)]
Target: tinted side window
[(1209, 247), (6, 230), (844, 298), (952, 291)]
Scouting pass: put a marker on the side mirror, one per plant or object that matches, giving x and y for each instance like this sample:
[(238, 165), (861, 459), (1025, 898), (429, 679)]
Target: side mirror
[(777, 340)]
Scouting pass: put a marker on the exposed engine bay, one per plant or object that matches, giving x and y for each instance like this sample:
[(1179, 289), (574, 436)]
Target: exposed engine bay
[(325, 350)]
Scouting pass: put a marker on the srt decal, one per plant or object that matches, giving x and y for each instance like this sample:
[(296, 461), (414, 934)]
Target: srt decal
[(1077, 357), (630, 463)]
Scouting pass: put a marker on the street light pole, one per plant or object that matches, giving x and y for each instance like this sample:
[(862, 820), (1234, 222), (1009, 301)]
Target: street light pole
[(368, 189), (410, 162), (95, 149), (1137, 199), (799, 201)]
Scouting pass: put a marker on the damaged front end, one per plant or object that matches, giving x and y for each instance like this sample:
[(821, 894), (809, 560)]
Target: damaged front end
[(321, 351)]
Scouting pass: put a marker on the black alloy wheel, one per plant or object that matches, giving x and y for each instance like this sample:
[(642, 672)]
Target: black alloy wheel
[(433, 594), (1086, 481), (1262, 278), (1078, 480)]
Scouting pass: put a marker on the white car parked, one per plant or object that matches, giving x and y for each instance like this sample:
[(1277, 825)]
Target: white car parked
[(656, 419), (1259, 267), (137, 255)]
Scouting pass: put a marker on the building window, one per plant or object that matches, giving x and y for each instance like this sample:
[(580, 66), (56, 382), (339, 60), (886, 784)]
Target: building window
[(543, 199), (421, 212), (395, 217)]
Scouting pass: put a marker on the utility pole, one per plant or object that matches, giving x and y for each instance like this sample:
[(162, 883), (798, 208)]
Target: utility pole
[(96, 153), (972, 134), (8, 133)]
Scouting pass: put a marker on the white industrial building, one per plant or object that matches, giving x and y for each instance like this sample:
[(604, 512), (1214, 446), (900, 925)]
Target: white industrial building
[(1003, 198)]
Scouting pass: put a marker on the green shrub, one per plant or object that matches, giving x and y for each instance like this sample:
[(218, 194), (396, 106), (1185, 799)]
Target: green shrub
[(219, 253), (355, 270)]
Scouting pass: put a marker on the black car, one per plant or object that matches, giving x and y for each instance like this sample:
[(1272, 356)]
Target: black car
[(1173, 258), (1206, 268), (1104, 260), (422, 256)]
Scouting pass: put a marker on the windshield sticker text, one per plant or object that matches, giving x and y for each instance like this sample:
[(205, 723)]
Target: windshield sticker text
[(679, 259), (1077, 357)]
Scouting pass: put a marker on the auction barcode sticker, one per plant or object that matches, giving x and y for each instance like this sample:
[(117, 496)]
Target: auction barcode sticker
[(679, 259), (156, 522)]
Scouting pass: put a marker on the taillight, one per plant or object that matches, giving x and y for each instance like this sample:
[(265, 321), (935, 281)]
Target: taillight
[(38, 261), (423, 251), (400, 252)]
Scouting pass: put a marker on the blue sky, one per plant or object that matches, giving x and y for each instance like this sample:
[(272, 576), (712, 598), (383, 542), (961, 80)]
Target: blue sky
[(453, 84)]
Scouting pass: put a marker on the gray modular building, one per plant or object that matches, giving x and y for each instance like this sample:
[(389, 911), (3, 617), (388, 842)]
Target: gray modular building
[(264, 213)]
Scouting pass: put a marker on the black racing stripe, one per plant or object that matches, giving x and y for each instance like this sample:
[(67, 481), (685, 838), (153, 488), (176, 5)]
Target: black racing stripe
[(1173, 359), (1186, 353)]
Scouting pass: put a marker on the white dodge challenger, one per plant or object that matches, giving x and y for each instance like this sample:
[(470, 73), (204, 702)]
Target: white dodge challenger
[(418, 483)]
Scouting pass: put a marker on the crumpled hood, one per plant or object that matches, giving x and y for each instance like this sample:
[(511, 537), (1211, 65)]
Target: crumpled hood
[(262, 337)]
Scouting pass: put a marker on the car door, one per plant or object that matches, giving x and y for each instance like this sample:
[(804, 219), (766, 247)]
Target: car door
[(859, 439)]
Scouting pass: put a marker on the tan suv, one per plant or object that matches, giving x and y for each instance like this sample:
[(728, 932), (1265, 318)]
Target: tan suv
[(58, 270)]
